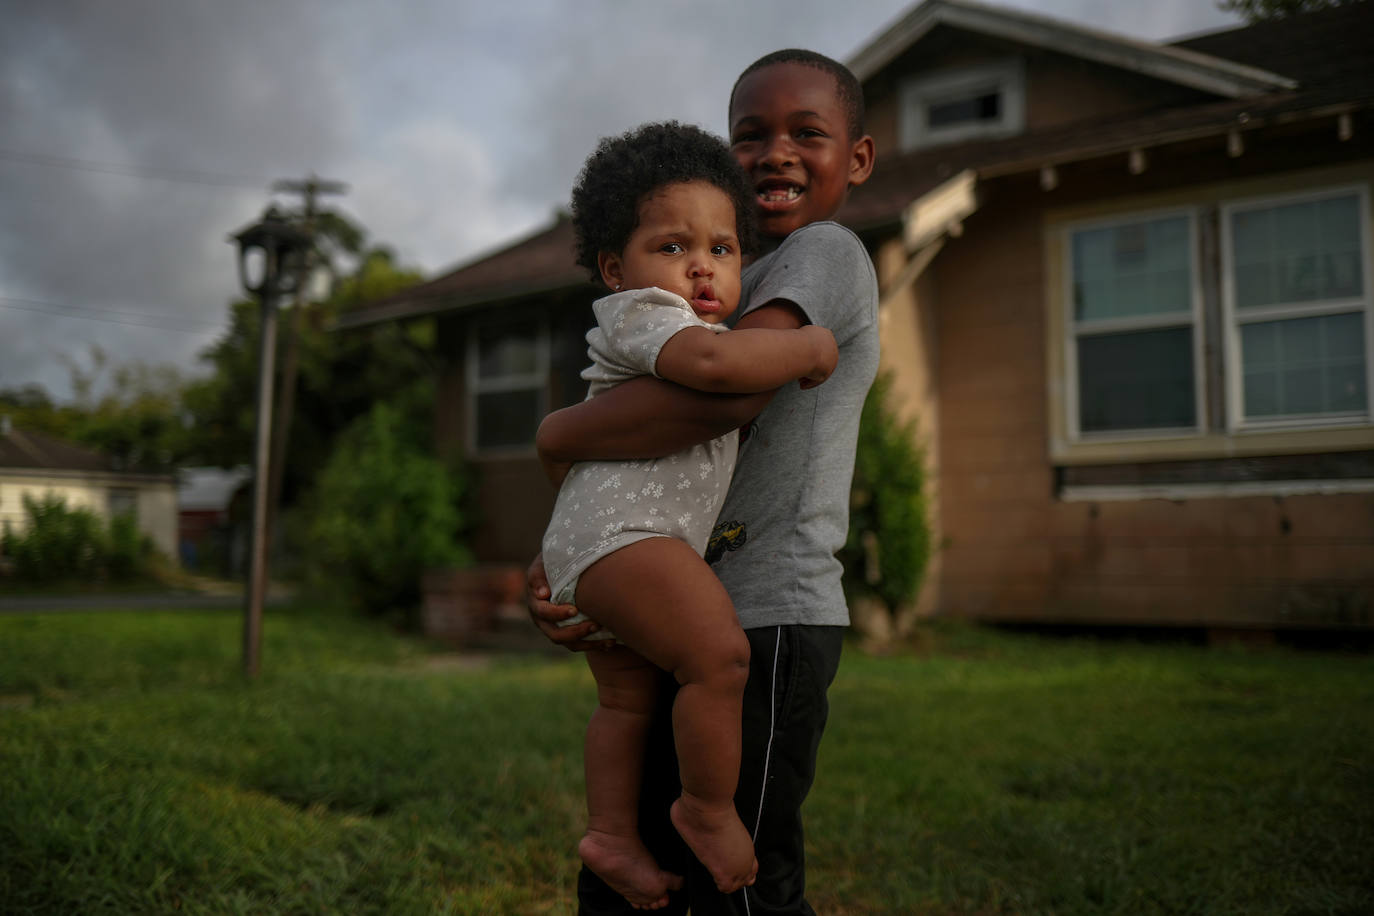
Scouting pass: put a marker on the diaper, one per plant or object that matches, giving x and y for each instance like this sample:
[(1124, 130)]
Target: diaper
[(568, 595)]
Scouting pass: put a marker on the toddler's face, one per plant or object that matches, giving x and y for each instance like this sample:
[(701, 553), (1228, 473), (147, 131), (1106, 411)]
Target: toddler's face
[(685, 243)]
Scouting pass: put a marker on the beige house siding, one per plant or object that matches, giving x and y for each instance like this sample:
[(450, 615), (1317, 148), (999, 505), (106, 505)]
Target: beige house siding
[(156, 499), (1013, 549)]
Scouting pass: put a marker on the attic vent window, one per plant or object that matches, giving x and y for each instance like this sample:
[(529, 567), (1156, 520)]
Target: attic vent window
[(966, 104), (978, 109)]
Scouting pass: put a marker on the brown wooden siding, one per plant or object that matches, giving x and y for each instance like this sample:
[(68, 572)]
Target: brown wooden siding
[(1059, 89), (1014, 551)]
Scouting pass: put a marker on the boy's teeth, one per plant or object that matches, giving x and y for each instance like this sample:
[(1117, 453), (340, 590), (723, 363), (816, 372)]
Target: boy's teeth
[(773, 194)]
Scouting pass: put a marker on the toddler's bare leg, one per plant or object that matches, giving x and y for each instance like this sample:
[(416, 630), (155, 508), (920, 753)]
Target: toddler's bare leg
[(663, 601), (614, 759)]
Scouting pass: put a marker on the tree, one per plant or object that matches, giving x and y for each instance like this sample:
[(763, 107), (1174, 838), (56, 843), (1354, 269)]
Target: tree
[(340, 376), (136, 419), (385, 510), (1265, 10), (888, 547)]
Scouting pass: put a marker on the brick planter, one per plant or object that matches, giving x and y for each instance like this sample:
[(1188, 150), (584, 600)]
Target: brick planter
[(465, 607)]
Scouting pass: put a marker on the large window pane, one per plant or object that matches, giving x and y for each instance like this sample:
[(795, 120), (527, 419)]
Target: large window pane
[(1132, 270), (1298, 252), (506, 348), (1136, 380), (1304, 366), (506, 419)]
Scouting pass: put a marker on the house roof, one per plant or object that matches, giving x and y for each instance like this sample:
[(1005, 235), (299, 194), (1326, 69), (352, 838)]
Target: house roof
[(1331, 52), (35, 451), (1190, 67), (1315, 64), (209, 488), (537, 263)]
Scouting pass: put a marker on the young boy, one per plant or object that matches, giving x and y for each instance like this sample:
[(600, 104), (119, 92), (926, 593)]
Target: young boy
[(796, 127)]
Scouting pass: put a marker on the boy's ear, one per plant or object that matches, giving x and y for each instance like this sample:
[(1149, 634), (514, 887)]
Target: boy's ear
[(612, 270), (861, 161)]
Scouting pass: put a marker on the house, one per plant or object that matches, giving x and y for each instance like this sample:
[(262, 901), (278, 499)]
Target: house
[(36, 465), (1127, 296), (206, 535)]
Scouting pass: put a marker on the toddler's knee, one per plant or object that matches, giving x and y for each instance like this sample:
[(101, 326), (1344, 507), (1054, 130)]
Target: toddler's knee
[(724, 663)]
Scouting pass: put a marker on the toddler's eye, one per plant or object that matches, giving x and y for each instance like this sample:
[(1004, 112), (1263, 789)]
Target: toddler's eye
[(720, 251), (671, 248)]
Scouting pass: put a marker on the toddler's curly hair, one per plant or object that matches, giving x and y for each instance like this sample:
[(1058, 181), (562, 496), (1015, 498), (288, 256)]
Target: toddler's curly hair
[(624, 170)]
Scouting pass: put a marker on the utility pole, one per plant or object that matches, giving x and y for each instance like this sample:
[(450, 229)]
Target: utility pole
[(309, 188)]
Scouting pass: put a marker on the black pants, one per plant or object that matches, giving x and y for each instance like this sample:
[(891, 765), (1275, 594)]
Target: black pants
[(785, 709)]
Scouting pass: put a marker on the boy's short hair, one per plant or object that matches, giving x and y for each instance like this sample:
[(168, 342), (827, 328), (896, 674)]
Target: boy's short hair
[(625, 169), (847, 88)]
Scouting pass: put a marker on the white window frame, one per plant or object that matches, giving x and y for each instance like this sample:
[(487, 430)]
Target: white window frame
[(1233, 317), (916, 94), (537, 379), (1073, 328)]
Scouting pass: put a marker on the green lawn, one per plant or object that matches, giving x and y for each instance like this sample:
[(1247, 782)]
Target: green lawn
[(364, 772)]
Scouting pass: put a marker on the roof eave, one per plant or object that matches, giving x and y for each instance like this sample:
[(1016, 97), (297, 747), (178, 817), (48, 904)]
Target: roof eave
[(425, 306), (1188, 68), (1069, 155)]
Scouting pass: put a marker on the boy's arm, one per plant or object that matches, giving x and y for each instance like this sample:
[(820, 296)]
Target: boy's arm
[(747, 360), (648, 417)]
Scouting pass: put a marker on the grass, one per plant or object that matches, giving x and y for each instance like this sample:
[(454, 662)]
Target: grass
[(364, 773)]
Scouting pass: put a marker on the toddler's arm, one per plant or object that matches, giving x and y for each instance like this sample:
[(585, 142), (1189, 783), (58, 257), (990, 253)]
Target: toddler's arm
[(748, 360), (648, 417)]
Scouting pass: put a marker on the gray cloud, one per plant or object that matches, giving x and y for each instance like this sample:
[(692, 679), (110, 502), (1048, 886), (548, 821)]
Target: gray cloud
[(457, 127)]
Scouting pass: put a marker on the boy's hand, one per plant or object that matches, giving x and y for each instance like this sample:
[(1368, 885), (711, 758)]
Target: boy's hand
[(826, 354), (547, 615)]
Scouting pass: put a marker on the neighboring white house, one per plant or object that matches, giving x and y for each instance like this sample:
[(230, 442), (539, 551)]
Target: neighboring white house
[(33, 464)]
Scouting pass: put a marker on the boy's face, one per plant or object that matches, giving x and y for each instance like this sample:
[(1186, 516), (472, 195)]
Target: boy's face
[(790, 133), (685, 243)]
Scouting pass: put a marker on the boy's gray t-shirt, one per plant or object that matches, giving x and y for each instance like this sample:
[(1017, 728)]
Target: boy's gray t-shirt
[(787, 511)]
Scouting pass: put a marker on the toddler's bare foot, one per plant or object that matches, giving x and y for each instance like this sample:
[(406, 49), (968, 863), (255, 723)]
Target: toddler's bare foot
[(718, 840), (629, 869)]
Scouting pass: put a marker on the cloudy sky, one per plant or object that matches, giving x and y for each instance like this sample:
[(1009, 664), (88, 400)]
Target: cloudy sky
[(134, 136)]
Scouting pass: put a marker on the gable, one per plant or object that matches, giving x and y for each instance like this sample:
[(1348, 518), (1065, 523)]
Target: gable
[(1176, 64), (1048, 88)]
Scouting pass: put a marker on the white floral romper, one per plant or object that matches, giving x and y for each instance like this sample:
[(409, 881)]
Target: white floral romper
[(605, 505)]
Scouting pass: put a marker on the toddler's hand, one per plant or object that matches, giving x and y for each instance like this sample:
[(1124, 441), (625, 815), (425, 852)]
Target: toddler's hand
[(825, 354)]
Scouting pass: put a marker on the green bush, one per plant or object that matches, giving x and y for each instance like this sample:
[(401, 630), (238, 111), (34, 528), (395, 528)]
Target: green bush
[(888, 547), (128, 550), (61, 544), (383, 511)]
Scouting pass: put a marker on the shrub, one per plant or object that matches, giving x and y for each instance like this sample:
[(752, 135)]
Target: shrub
[(62, 544), (129, 551), (888, 547), (383, 511)]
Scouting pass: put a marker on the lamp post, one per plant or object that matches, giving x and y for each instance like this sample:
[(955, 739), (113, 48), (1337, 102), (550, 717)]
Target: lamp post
[(268, 250)]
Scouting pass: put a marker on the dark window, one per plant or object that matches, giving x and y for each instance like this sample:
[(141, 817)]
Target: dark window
[(1136, 380), (984, 107)]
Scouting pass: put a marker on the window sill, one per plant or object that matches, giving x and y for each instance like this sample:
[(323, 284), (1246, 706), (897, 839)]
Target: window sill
[(1181, 492), (1291, 441)]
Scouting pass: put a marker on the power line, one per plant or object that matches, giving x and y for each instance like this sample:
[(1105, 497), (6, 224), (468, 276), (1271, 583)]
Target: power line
[(89, 313), (155, 173)]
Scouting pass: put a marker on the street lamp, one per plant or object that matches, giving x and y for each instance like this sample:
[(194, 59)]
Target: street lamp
[(269, 251)]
